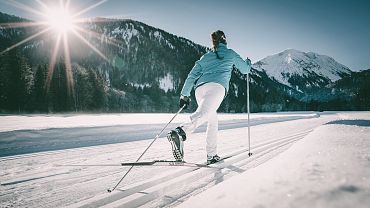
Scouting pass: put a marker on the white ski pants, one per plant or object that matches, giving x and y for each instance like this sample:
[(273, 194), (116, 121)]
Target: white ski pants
[(209, 98)]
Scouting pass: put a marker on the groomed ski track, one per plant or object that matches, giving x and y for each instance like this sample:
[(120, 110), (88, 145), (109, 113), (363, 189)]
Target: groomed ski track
[(172, 189), (154, 186)]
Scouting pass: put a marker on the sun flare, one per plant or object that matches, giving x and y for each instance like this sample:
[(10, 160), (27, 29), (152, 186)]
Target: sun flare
[(57, 19), (60, 20)]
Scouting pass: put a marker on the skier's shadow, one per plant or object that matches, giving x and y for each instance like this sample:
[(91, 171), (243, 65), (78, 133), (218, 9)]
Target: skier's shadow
[(235, 169), (219, 175)]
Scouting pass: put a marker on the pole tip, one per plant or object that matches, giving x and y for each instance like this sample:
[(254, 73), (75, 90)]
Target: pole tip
[(250, 154), (109, 190)]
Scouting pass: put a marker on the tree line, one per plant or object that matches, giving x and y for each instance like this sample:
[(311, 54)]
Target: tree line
[(24, 88)]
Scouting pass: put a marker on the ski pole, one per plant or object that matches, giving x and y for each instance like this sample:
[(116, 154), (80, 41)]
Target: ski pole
[(158, 135), (249, 126)]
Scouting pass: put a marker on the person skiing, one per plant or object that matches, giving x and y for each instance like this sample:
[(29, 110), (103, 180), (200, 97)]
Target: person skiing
[(210, 78)]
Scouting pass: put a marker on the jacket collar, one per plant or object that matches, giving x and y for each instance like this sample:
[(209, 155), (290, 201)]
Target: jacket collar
[(221, 45)]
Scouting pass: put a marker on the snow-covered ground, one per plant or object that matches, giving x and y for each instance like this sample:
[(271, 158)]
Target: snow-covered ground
[(36, 133), (330, 167), (299, 159), (37, 122)]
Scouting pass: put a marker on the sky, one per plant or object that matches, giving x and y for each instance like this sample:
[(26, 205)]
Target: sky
[(254, 28)]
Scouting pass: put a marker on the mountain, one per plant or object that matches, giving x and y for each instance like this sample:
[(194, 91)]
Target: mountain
[(142, 69), (305, 72), (144, 72)]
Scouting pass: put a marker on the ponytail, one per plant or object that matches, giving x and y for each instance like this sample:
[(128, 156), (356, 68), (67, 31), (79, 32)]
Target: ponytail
[(217, 38)]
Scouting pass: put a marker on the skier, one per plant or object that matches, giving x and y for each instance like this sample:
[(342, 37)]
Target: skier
[(210, 77)]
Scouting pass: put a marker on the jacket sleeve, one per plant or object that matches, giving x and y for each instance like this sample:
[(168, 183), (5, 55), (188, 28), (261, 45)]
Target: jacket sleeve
[(193, 76), (243, 66)]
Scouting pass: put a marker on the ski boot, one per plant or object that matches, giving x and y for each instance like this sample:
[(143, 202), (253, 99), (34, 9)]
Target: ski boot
[(176, 138), (213, 159)]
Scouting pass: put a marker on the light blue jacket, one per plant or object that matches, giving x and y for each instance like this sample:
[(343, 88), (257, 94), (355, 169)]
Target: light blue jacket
[(211, 69)]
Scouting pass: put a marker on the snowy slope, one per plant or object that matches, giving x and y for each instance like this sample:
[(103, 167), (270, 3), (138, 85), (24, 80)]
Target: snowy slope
[(328, 168), (35, 180), (285, 65)]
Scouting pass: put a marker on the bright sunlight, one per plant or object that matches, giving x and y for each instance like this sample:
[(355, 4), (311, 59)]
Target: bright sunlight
[(60, 20)]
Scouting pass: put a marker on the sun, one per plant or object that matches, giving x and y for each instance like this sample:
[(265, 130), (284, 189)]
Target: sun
[(60, 20), (57, 19)]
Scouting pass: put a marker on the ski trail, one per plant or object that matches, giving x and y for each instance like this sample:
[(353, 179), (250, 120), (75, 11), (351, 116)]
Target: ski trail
[(179, 185)]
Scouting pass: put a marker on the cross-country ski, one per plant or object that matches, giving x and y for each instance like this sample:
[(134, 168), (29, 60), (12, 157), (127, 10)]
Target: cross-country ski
[(148, 163)]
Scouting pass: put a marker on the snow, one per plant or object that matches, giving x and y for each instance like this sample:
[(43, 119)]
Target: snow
[(158, 35), (166, 83), (304, 158), (137, 85), (33, 45), (37, 122), (292, 62), (126, 34), (117, 30), (328, 168), (107, 78), (289, 58)]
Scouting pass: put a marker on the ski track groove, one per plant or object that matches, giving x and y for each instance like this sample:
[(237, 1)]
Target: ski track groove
[(74, 183), (155, 192)]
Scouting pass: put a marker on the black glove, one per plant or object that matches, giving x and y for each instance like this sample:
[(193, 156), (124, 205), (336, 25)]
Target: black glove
[(184, 101)]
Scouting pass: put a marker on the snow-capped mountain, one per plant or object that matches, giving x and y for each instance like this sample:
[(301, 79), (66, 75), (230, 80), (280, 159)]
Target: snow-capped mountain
[(302, 71)]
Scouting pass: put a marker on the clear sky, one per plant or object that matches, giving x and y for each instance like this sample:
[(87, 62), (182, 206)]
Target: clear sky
[(254, 28)]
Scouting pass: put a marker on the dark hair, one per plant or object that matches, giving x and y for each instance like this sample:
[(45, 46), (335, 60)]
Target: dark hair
[(217, 38)]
